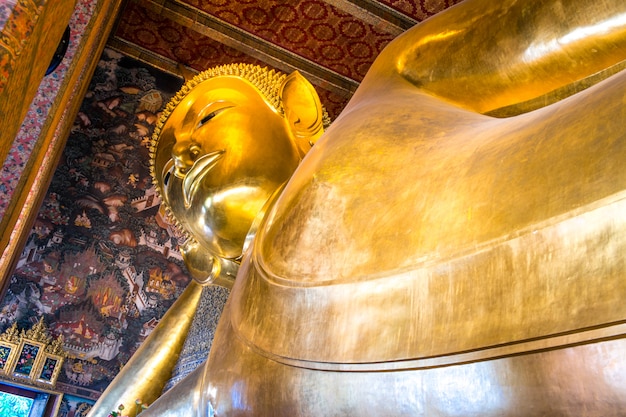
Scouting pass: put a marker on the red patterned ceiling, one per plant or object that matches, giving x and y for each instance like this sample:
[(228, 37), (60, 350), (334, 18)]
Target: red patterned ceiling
[(332, 42), (165, 37), (420, 10), (311, 29)]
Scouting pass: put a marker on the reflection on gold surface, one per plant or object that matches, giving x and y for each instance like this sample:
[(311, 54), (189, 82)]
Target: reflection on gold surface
[(473, 390), (429, 259)]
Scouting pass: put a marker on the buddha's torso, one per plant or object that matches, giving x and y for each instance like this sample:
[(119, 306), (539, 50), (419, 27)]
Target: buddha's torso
[(432, 243)]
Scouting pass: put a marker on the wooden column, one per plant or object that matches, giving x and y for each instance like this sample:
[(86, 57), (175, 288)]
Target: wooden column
[(22, 210)]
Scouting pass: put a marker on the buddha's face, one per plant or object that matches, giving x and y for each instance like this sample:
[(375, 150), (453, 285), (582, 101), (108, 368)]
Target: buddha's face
[(231, 151)]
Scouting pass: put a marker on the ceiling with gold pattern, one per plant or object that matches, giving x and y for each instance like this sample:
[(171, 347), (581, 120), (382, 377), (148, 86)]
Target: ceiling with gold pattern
[(331, 42)]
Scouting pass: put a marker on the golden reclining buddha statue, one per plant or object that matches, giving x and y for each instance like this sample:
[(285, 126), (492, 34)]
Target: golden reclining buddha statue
[(452, 245)]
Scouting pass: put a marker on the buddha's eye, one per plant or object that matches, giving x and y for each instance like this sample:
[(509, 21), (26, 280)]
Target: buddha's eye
[(207, 118), (211, 115)]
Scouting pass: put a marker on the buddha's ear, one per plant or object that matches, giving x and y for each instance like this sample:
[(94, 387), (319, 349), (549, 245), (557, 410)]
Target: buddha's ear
[(303, 110)]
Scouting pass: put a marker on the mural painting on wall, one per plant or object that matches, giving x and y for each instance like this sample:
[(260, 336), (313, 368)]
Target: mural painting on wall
[(102, 264), (72, 406)]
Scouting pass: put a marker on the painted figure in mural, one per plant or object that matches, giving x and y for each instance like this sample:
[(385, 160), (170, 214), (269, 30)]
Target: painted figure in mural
[(452, 245)]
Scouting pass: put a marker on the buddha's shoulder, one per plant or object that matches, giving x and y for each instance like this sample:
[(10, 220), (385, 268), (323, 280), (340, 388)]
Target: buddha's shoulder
[(443, 237), (433, 183)]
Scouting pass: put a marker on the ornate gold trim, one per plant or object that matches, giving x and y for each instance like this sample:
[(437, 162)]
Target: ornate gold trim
[(31, 356)]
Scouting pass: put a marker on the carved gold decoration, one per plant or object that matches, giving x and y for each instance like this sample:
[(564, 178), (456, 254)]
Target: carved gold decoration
[(37, 333), (12, 334), (9, 342), (31, 356)]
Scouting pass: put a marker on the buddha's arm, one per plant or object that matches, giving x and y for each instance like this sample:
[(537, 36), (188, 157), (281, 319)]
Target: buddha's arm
[(484, 55)]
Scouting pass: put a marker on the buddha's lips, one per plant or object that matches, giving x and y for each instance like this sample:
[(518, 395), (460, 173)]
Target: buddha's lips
[(198, 171)]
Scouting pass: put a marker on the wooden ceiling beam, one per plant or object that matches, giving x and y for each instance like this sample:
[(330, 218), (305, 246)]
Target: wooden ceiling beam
[(376, 14), (149, 57), (243, 41)]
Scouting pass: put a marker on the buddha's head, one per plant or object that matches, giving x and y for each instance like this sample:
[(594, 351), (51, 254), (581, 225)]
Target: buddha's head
[(227, 141)]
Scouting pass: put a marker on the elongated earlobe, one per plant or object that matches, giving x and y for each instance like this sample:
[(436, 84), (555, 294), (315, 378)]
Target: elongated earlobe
[(303, 110), (207, 268)]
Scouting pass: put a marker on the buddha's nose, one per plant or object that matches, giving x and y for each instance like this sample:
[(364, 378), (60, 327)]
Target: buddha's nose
[(185, 153)]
